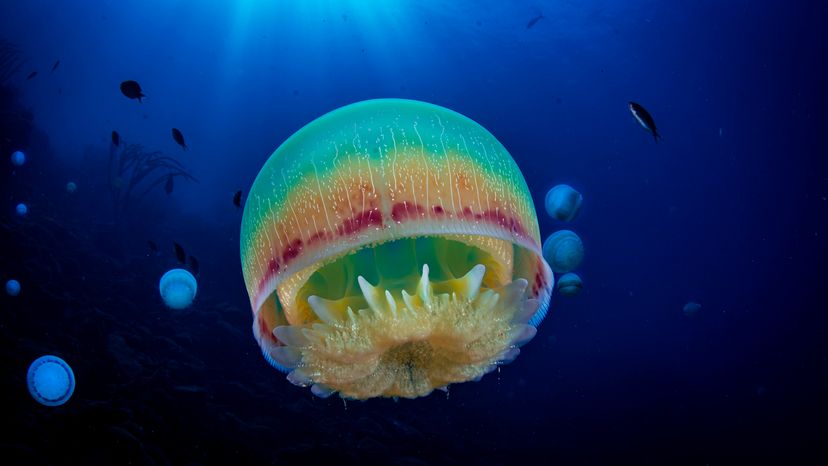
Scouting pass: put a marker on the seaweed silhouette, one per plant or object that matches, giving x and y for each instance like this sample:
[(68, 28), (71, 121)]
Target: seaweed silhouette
[(10, 60), (134, 172)]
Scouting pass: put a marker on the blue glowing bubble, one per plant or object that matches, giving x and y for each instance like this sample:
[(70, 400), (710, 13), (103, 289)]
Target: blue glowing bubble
[(18, 158), (71, 187), (563, 250), (691, 309), (13, 287), (21, 209), (563, 203), (178, 288), (569, 284), (51, 381)]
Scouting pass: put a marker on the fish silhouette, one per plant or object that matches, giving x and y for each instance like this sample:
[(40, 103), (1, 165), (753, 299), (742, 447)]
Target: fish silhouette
[(179, 253), (644, 119), (132, 90), (179, 138)]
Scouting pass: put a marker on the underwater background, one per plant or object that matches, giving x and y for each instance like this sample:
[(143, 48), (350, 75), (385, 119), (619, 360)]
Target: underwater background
[(727, 210)]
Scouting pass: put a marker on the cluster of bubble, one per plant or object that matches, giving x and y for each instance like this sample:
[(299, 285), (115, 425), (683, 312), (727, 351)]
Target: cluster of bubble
[(18, 159), (50, 380), (563, 249)]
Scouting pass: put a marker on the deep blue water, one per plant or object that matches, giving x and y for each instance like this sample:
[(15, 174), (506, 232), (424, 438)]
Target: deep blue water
[(727, 210)]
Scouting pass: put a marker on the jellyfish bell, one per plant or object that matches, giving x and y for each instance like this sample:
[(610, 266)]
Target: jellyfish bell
[(389, 248), (691, 309), (563, 203), (51, 381), (563, 250), (569, 284), (71, 187), (21, 209), (12, 287), (178, 288), (18, 158)]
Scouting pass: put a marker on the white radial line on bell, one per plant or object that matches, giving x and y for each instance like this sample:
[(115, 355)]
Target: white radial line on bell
[(345, 188), (260, 256), (385, 201), (293, 211), (321, 197), (474, 174), (425, 162), (315, 227), (486, 156), (268, 235), (448, 163), (394, 163), (354, 142), (371, 172), (279, 237)]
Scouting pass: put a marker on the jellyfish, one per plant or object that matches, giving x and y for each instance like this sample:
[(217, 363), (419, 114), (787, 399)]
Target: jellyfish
[(178, 288), (21, 209), (569, 284), (12, 287), (71, 187), (391, 247), (51, 381), (691, 309), (563, 202), (18, 158), (563, 250)]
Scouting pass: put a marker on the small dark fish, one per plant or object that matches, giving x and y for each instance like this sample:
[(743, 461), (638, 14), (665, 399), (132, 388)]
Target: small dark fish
[(153, 247), (534, 21), (644, 119), (179, 253), (116, 139), (55, 66), (237, 199), (132, 90), (31, 75), (168, 188), (179, 138), (194, 265)]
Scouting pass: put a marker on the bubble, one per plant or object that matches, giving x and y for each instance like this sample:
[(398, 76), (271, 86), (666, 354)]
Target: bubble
[(18, 158), (569, 284), (563, 203), (13, 287), (51, 381), (178, 288), (691, 309), (563, 250)]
